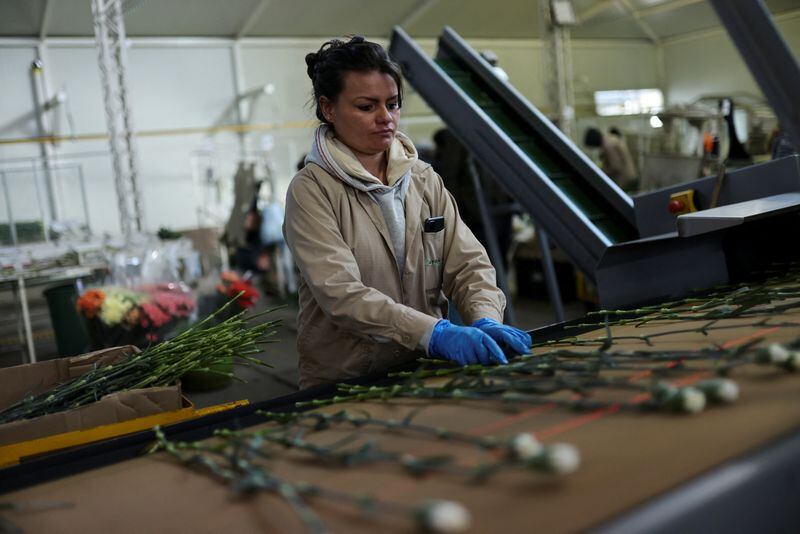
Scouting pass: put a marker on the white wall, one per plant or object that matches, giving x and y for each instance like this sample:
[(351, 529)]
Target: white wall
[(708, 63), (16, 100), (190, 83), (171, 88)]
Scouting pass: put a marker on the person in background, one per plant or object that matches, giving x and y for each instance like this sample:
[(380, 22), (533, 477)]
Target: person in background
[(378, 239), (242, 229), (616, 159)]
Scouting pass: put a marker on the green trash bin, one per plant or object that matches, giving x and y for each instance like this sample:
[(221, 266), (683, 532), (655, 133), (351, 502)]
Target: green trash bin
[(72, 337)]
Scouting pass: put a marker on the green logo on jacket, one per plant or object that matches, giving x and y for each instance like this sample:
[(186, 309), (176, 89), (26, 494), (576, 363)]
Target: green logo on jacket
[(432, 263)]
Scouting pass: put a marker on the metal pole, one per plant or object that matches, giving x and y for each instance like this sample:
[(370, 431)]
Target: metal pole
[(243, 105), (557, 65), (568, 114), (43, 127), (550, 275), (85, 199), (26, 318), (12, 227), (491, 240), (42, 210)]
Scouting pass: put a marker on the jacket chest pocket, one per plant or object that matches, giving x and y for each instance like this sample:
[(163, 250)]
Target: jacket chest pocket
[(433, 263)]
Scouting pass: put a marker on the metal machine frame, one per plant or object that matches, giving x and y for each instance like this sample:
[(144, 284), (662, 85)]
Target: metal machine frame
[(630, 248), (767, 55)]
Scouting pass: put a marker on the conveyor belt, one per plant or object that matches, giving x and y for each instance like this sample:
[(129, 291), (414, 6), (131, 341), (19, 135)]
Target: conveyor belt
[(629, 458)]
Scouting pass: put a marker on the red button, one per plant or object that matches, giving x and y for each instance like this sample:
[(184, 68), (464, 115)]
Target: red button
[(676, 206)]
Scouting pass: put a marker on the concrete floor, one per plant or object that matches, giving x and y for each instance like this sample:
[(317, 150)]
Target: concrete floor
[(262, 383)]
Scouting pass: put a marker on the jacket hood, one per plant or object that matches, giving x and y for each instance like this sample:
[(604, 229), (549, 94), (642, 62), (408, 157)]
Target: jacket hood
[(334, 156)]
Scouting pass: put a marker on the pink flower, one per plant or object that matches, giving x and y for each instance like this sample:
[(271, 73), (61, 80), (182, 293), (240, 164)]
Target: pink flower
[(153, 315), (173, 303)]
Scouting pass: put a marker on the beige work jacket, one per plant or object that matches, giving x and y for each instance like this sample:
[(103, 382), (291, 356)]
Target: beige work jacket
[(358, 313)]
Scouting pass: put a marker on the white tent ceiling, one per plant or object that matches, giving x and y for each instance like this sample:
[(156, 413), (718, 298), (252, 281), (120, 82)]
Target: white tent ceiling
[(511, 19)]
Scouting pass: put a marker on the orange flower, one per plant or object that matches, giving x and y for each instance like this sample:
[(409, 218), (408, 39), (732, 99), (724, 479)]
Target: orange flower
[(90, 302)]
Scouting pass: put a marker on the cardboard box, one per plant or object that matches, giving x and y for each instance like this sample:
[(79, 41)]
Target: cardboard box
[(22, 380)]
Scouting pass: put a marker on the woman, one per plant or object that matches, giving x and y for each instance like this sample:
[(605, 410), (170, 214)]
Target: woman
[(378, 239)]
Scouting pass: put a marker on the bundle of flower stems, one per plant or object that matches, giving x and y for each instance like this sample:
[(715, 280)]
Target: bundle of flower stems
[(196, 349)]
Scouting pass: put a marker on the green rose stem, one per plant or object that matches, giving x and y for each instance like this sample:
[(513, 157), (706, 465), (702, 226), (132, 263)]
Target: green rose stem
[(562, 359), (245, 476), (740, 303), (322, 421), (333, 455), (521, 450), (648, 338), (506, 395), (743, 301), (686, 399), (198, 348)]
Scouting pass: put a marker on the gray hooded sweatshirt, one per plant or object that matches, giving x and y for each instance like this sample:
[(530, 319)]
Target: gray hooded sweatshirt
[(338, 160)]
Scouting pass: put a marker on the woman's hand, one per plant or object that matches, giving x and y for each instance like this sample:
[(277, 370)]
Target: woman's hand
[(508, 337), (464, 345)]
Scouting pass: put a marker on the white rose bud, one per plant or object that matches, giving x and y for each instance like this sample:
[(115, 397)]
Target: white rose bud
[(444, 517), (692, 400), (719, 390), (663, 391), (793, 363), (778, 353), (563, 458), (728, 391), (525, 446)]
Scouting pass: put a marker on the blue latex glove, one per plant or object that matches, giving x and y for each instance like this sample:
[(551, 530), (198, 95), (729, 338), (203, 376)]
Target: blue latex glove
[(506, 336), (464, 345)]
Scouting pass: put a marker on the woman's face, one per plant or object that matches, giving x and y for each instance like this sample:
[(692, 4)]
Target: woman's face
[(366, 112)]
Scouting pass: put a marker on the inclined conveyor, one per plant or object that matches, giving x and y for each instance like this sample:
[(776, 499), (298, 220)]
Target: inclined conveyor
[(565, 193)]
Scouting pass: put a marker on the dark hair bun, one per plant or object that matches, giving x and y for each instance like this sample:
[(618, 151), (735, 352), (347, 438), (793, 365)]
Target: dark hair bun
[(312, 60), (316, 58)]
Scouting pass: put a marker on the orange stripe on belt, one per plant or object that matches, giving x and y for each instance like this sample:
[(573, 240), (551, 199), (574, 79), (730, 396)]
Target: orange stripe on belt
[(602, 412), (751, 337), (512, 419)]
